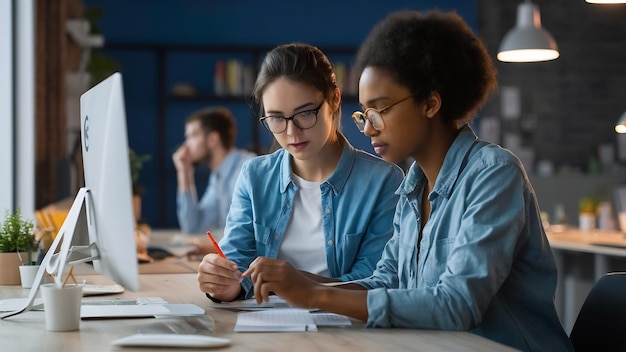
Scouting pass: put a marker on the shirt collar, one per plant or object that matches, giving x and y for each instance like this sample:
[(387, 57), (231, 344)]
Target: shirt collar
[(336, 180), (450, 170)]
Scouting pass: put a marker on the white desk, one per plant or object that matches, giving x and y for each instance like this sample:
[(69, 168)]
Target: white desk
[(582, 258), (27, 331)]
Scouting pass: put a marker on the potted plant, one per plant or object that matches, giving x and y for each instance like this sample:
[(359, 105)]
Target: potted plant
[(136, 164), (17, 243), (587, 211), (142, 230)]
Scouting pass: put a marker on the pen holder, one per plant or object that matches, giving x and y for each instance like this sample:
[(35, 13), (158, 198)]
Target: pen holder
[(62, 306)]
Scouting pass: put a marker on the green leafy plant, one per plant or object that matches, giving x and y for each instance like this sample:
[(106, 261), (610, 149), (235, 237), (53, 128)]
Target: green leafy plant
[(136, 164), (17, 234), (588, 205)]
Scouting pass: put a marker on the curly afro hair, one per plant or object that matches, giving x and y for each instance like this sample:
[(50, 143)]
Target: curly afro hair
[(433, 52)]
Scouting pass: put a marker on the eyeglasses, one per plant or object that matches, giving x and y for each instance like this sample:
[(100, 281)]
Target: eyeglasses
[(374, 116), (303, 120)]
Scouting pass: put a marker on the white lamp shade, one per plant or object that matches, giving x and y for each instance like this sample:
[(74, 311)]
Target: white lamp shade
[(527, 41), (606, 1), (620, 126)]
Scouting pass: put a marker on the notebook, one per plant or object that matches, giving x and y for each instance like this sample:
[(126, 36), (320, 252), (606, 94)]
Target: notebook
[(288, 319)]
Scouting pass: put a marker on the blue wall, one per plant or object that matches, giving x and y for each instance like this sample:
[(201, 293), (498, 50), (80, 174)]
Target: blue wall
[(235, 23), (271, 22)]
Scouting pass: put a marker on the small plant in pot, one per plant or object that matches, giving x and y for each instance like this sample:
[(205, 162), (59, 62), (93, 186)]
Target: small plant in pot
[(17, 244), (142, 230), (136, 164), (587, 211)]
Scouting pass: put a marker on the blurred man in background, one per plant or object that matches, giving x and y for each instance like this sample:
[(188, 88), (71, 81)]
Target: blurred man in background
[(209, 140)]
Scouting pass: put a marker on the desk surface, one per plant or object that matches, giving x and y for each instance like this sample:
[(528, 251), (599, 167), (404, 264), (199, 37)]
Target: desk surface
[(27, 331), (597, 242), (179, 245), (170, 265)]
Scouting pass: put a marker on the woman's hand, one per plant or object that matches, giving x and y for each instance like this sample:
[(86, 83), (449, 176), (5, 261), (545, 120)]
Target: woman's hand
[(219, 277), (279, 277)]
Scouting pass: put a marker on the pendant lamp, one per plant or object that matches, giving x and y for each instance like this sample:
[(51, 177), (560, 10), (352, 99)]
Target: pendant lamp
[(527, 41), (620, 126), (606, 1)]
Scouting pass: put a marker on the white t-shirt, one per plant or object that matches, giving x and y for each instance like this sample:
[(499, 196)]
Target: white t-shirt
[(304, 244)]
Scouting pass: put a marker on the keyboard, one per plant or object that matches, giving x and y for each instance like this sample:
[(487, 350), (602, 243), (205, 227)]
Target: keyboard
[(93, 289)]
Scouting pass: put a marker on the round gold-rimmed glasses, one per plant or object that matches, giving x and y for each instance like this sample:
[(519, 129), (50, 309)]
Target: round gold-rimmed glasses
[(374, 116)]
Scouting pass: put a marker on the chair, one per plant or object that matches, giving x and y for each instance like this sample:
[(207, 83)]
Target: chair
[(601, 322)]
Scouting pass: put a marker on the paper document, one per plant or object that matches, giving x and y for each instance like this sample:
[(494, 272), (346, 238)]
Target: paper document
[(275, 320), (250, 304), (292, 319)]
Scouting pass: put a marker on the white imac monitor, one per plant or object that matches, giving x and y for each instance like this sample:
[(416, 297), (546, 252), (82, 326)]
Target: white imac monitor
[(107, 178), (99, 226)]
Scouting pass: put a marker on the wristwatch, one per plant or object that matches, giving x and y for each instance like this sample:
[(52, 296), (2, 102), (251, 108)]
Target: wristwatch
[(241, 296), (213, 298)]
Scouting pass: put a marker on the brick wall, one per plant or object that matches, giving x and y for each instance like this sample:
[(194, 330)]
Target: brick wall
[(570, 105)]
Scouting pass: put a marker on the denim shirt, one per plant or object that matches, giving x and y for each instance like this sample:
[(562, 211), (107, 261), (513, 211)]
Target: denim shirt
[(358, 203), (210, 212), (483, 263)]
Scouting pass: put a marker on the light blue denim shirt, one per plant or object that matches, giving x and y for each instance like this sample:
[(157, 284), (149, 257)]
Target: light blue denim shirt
[(358, 203), (483, 264), (198, 217)]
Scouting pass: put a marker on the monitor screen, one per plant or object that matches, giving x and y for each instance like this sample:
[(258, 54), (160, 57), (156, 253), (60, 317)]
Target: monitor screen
[(107, 177)]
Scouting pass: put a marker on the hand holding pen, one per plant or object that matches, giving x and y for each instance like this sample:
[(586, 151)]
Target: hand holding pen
[(219, 276), (203, 248), (217, 246)]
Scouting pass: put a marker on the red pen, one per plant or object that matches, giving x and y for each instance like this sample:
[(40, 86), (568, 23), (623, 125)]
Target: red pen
[(217, 247)]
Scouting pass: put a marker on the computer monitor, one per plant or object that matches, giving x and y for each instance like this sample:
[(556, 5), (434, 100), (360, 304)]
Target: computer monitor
[(99, 226), (106, 166)]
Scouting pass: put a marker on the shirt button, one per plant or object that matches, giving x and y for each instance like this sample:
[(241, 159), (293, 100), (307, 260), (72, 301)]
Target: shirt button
[(330, 243), (276, 237), (327, 211)]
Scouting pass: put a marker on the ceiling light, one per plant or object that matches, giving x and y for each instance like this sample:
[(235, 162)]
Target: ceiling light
[(606, 1), (527, 41), (620, 126)]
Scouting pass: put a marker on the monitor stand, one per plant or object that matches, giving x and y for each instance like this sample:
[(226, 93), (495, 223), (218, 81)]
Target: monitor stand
[(54, 262)]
